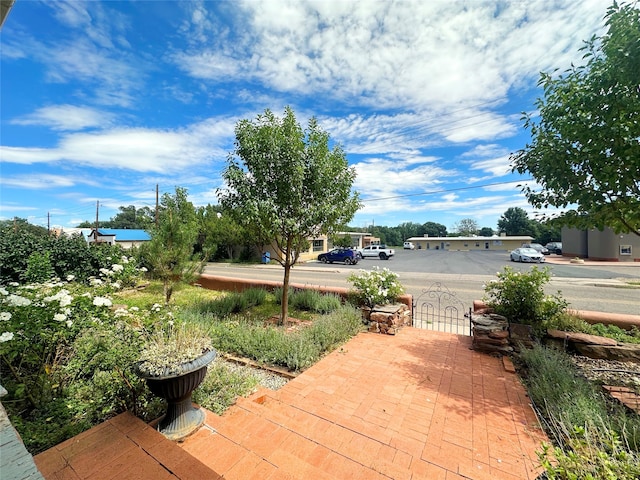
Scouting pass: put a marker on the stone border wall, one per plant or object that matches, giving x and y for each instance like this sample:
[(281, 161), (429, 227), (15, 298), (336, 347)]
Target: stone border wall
[(215, 282), (622, 320)]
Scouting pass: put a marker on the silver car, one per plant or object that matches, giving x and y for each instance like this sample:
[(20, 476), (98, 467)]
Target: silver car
[(529, 255)]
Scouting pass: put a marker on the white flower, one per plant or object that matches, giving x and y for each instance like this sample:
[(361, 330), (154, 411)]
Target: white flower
[(134, 309), (143, 269), (69, 323), (95, 281), (116, 285), (3, 291), (106, 271), (62, 296), (18, 301), (14, 284), (71, 278), (59, 317), (101, 302), (116, 267), (121, 312), (155, 307), (6, 336), (124, 259), (5, 316)]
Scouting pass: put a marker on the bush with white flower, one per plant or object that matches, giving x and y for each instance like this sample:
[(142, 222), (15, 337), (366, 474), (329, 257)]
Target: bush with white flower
[(376, 286)]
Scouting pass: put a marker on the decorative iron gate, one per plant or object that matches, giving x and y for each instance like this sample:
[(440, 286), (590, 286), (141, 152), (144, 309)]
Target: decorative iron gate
[(438, 308)]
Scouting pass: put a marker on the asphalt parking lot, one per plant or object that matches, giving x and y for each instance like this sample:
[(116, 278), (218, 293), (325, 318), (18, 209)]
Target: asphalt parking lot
[(486, 263)]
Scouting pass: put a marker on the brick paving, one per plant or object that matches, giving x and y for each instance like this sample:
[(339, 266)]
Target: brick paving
[(418, 405)]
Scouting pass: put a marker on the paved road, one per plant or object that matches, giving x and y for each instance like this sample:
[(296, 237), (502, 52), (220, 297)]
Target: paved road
[(600, 288)]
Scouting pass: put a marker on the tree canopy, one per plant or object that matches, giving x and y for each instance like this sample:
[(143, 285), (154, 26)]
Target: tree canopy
[(286, 185), (585, 147), (515, 221), (466, 227)]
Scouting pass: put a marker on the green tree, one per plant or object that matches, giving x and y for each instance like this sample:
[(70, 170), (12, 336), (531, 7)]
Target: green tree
[(515, 221), (585, 148), (169, 254), (486, 232), (132, 218), (466, 227), (286, 185), (219, 233), (434, 229)]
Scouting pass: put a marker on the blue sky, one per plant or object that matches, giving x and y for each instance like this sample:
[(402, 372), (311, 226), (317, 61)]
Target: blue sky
[(101, 101)]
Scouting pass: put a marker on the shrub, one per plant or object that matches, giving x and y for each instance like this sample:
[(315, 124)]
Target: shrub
[(247, 336), (314, 301), (520, 297), (232, 302), (570, 401), (222, 386), (571, 323), (375, 287)]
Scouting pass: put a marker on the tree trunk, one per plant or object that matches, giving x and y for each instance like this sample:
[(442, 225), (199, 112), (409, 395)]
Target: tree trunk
[(284, 312)]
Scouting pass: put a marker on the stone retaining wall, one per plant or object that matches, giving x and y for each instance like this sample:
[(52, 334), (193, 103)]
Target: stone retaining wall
[(214, 282)]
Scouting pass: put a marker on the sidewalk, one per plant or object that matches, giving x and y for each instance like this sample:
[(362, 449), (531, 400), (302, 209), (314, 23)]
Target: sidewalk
[(418, 405)]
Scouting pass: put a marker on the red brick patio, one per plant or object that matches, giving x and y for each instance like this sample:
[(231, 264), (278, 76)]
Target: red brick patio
[(420, 404)]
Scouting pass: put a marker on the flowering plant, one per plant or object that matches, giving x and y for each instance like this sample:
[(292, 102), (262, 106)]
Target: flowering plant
[(376, 287), (170, 347)]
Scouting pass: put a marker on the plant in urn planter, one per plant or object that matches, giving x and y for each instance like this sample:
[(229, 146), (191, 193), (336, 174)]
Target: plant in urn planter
[(174, 363)]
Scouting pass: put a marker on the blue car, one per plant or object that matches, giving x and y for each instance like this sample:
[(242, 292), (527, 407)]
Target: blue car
[(340, 255)]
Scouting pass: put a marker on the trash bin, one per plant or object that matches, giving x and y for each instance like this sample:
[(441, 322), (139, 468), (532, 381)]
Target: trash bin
[(266, 257)]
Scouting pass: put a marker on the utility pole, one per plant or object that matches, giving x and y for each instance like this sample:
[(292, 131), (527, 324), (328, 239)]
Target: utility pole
[(95, 235), (48, 223), (157, 205)]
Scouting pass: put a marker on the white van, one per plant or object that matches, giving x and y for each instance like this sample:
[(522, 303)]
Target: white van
[(409, 246)]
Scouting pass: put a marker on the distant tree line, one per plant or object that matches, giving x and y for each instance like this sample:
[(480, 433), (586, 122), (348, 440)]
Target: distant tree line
[(514, 221), (219, 234)]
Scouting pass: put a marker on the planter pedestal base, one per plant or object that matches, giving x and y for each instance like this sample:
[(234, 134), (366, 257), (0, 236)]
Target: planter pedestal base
[(181, 419)]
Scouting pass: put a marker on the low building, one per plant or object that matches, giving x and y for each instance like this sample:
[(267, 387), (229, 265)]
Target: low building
[(494, 243), (124, 237), (603, 245)]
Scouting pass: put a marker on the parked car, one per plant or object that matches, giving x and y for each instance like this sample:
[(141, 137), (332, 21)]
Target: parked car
[(341, 255), (380, 251), (554, 247), (409, 246), (524, 254), (536, 246)]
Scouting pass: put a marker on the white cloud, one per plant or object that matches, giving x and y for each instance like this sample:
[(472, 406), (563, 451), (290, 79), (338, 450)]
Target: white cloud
[(66, 117), (138, 149), (44, 181), (408, 54)]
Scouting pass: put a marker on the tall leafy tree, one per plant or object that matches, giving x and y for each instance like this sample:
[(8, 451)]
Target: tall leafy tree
[(515, 221), (285, 185), (169, 254), (466, 227), (585, 148), (486, 232), (434, 229)]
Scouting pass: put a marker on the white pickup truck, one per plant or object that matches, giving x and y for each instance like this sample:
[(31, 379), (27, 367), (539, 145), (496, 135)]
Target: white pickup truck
[(380, 251)]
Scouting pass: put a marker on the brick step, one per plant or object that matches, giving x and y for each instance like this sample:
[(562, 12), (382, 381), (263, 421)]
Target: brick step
[(123, 447)]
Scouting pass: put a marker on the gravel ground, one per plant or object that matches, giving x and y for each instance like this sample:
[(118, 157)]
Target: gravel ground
[(266, 378), (609, 372)]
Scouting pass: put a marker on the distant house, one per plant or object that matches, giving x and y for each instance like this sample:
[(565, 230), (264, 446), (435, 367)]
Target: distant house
[(124, 237), (502, 243)]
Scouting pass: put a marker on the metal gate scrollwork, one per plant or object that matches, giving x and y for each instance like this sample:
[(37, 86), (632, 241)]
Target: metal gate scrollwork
[(438, 308)]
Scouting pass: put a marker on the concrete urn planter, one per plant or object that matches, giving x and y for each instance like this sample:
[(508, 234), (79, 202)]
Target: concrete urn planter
[(181, 418)]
